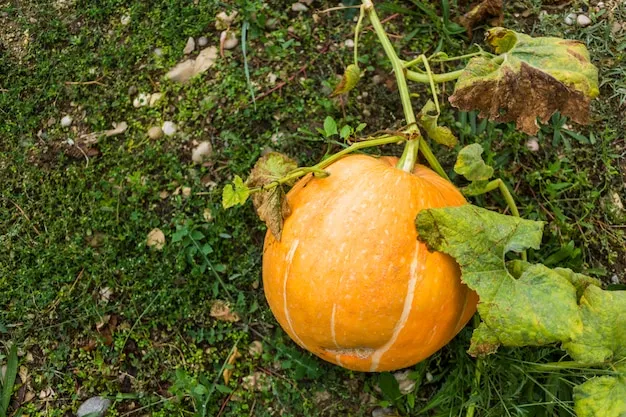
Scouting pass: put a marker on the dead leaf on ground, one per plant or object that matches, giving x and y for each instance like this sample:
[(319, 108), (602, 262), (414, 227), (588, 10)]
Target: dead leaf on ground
[(188, 69), (489, 11), (228, 372), (92, 138), (220, 310), (255, 349), (156, 239)]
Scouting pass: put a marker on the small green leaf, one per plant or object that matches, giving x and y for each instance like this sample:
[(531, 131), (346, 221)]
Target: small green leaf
[(351, 77), (475, 188), (345, 132), (360, 127), (235, 194), (427, 119), (536, 308), (602, 396), (604, 327), (8, 382), (531, 78), (389, 386), (330, 126), (470, 164)]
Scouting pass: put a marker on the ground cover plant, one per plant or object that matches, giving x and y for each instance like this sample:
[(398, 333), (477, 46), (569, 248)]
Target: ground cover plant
[(121, 275)]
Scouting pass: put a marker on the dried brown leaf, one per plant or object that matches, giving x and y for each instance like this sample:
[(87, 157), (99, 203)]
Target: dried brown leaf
[(220, 310), (486, 11)]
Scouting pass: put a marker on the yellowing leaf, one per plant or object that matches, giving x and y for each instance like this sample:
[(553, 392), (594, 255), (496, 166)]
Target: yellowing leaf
[(350, 78), (536, 307), (602, 396), (531, 78), (271, 205), (228, 372), (470, 164), (604, 327), (235, 194), (427, 119)]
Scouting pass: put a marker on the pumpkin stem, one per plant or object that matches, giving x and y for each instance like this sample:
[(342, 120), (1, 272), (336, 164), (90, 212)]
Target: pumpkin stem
[(409, 157)]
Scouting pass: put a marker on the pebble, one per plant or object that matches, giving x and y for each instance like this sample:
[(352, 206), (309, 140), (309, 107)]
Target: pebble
[(377, 79), (141, 100), (154, 98), (190, 46), (132, 90), (532, 144), (125, 20), (231, 40), (383, 412), (169, 128), (614, 279), (570, 19), (95, 405), (583, 21), (158, 51), (155, 132), (349, 43), (202, 152), (202, 41), (66, 121), (299, 7)]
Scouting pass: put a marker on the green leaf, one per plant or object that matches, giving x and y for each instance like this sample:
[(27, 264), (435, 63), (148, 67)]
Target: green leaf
[(9, 380), (345, 132), (330, 126), (271, 205), (389, 386), (470, 164), (235, 194), (475, 188), (604, 327), (427, 119), (602, 396), (351, 77), (531, 78), (535, 308)]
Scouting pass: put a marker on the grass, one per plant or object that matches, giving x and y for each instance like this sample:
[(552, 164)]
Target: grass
[(94, 311)]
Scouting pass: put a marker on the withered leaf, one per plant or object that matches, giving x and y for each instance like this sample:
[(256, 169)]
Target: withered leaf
[(350, 78), (531, 78), (220, 310), (485, 11), (427, 119), (273, 208), (271, 204), (228, 372)]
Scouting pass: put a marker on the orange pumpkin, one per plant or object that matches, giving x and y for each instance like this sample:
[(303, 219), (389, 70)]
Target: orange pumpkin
[(350, 282)]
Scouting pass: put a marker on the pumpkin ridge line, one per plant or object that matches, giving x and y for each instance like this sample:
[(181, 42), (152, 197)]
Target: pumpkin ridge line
[(288, 260), (404, 316)]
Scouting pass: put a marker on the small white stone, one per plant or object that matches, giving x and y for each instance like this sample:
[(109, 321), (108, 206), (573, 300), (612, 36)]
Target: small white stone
[(299, 7), (66, 121), (349, 43), (570, 19), (271, 78), (583, 21), (125, 19), (201, 152), (158, 52), (141, 100), (190, 46), (230, 40), (601, 5), (202, 41), (155, 132), (154, 98), (614, 279), (169, 128), (532, 144)]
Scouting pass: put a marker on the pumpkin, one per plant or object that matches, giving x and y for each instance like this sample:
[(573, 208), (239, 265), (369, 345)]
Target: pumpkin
[(350, 282)]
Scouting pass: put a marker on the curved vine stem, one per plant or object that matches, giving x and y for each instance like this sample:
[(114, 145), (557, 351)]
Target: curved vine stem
[(409, 156), (357, 31), (433, 90), (319, 168)]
